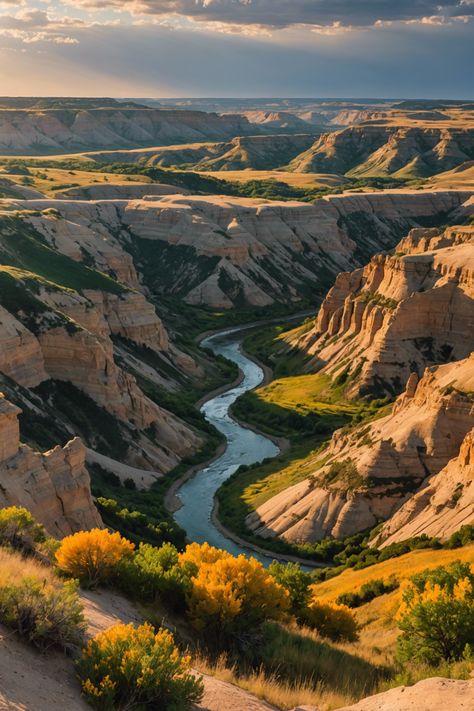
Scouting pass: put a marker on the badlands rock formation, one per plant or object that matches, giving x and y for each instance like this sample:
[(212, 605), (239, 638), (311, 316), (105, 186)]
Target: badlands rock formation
[(398, 314), (43, 131), (241, 153), (54, 329), (223, 252), (54, 486), (375, 149), (366, 476), (443, 504)]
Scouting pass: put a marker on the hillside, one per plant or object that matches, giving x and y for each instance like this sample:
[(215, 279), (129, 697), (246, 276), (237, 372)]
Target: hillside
[(402, 145), (49, 131), (240, 153)]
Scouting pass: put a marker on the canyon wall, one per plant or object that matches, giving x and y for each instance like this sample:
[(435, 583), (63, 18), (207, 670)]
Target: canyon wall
[(222, 252)]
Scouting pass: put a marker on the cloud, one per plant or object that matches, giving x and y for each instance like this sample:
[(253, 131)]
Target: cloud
[(35, 25), (285, 13)]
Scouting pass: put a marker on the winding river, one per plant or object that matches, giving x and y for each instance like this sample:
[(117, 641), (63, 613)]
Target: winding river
[(243, 447)]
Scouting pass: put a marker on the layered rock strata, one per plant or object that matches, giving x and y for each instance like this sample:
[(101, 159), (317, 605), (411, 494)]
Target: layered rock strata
[(54, 486)]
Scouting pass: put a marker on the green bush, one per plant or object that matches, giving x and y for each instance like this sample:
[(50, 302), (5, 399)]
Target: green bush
[(369, 591), (436, 617), (43, 614), (296, 581), (155, 573), (127, 667), (19, 529)]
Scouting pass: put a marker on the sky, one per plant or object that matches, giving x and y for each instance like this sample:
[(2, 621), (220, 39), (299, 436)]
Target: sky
[(237, 48)]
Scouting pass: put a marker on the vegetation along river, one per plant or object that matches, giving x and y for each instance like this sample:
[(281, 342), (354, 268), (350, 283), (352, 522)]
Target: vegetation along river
[(243, 447)]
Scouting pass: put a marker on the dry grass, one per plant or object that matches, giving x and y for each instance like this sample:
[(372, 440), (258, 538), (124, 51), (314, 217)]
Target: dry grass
[(283, 694), (14, 568), (402, 568), (378, 628), (296, 180), (50, 180)]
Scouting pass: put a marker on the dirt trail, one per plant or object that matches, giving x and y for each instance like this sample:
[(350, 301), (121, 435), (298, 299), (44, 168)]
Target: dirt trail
[(30, 681)]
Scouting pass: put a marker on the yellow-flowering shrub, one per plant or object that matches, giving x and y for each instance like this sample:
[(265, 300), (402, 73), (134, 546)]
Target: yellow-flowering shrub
[(337, 622), (436, 616), (92, 556), (135, 667), (228, 595)]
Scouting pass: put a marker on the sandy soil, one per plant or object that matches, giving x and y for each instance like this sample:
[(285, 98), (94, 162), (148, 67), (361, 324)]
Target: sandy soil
[(434, 694), (30, 681)]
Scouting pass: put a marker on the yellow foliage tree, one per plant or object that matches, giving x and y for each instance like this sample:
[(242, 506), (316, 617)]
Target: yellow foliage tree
[(230, 595), (92, 556)]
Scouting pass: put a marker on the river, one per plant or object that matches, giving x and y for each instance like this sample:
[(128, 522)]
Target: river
[(243, 447)]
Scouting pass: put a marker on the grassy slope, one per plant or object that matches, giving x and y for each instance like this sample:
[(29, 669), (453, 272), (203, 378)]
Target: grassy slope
[(23, 247)]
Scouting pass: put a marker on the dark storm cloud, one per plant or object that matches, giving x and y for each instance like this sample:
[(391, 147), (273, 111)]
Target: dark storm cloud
[(284, 13)]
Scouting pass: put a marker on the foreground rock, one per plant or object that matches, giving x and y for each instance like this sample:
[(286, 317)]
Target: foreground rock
[(428, 695)]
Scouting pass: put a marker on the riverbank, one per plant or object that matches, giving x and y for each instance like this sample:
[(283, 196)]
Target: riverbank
[(191, 498), (171, 499)]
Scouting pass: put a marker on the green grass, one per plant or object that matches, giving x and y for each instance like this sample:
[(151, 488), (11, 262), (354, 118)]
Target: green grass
[(269, 346), (23, 247), (300, 406)]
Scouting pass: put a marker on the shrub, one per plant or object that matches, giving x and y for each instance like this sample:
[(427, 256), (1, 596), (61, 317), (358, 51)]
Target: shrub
[(127, 667), (19, 529), (337, 622), (369, 591), (43, 614), (92, 556), (155, 573), (296, 581), (436, 616), (228, 596)]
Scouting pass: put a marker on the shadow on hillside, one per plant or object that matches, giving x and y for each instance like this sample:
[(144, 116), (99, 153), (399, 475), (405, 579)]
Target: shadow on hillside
[(300, 655)]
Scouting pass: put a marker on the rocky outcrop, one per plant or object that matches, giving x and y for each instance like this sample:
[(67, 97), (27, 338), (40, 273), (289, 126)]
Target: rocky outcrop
[(398, 314), (366, 476), (399, 149), (21, 357), (40, 131), (54, 486), (443, 504), (95, 339), (434, 693)]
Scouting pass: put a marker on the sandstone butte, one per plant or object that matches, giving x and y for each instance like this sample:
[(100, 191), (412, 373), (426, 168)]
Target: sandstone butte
[(400, 145), (412, 468)]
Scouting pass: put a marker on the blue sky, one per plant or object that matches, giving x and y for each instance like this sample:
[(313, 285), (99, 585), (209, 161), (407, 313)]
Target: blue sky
[(352, 48)]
